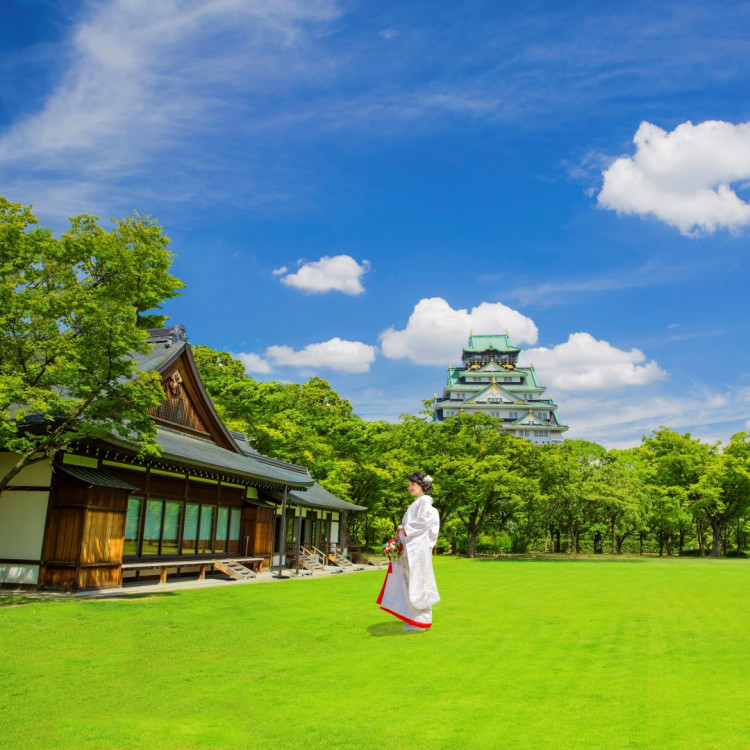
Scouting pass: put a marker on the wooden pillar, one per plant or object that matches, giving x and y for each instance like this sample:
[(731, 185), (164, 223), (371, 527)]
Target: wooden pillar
[(343, 529), (329, 528), (297, 537), (282, 534), (318, 524)]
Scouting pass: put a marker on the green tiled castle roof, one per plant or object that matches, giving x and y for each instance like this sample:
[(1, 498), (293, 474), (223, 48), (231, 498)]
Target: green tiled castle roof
[(482, 343)]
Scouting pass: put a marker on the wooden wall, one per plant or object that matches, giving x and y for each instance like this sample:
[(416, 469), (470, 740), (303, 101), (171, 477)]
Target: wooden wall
[(258, 530), (84, 540)]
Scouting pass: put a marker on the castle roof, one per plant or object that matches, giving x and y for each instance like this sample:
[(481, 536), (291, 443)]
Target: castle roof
[(484, 343)]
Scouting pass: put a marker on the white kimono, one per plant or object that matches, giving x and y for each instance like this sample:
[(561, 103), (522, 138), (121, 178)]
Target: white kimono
[(409, 590)]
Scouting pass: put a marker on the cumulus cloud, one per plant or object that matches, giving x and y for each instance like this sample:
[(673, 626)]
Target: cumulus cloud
[(279, 271), (436, 332), (253, 363), (586, 363), (334, 354), (338, 273), (683, 177)]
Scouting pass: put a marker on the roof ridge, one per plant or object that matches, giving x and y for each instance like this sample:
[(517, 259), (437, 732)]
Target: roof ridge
[(169, 336)]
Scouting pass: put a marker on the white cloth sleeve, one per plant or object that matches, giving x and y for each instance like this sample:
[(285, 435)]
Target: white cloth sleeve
[(421, 526)]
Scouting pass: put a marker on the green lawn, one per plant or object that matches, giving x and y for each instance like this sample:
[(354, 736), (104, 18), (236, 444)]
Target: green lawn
[(552, 653)]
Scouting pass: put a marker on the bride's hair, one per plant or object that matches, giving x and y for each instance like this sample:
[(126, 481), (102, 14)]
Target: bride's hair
[(423, 480)]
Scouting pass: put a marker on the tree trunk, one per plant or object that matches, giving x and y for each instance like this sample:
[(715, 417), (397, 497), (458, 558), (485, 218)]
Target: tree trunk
[(669, 544), (573, 531), (725, 538), (682, 542), (640, 539), (661, 544), (718, 530), (701, 542), (598, 543), (620, 541), (739, 537), (471, 543), (558, 543), (614, 536)]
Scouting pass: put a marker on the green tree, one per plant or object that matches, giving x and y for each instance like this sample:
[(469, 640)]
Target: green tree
[(72, 312), (678, 462), (308, 424), (624, 497), (568, 478), (723, 491), (484, 475)]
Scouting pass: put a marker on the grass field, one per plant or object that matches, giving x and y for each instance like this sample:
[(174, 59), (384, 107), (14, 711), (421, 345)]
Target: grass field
[(554, 653)]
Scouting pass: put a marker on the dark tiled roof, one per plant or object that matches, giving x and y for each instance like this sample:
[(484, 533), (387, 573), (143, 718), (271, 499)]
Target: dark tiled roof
[(202, 454), (157, 356), (244, 444), (320, 497), (94, 477)]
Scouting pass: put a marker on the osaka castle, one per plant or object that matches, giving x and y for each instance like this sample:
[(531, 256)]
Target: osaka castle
[(490, 382)]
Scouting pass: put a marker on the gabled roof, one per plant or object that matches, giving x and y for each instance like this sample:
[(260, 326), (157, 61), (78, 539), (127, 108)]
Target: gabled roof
[(530, 376), (535, 420), (212, 447), (171, 356), (483, 343), (512, 398)]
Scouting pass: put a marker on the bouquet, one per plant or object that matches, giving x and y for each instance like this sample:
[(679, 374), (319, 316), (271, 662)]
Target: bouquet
[(393, 548)]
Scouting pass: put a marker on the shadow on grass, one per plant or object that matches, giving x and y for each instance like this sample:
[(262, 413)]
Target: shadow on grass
[(17, 600), (128, 597), (380, 629), (14, 601)]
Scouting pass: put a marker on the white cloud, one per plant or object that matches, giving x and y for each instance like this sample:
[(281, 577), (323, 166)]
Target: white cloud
[(621, 422), (279, 271), (683, 177), (253, 362), (435, 332), (338, 273), (586, 363), (137, 91), (335, 354)]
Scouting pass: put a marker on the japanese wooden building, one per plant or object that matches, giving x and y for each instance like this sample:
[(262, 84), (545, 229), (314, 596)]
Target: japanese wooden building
[(98, 514)]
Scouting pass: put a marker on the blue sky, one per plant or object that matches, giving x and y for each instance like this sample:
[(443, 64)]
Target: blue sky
[(351, 187)]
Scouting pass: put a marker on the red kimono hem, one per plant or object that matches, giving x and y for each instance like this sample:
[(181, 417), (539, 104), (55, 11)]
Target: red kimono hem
[(406, 619), (396, 614)]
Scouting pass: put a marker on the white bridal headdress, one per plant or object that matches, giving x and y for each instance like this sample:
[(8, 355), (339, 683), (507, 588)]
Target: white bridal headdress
[(427, 478)]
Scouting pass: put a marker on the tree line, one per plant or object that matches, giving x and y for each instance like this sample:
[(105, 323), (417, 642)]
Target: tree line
[(74, 309), (673, 494)]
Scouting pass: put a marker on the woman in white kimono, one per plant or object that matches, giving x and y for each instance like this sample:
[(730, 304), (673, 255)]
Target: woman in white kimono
[(409, 590)]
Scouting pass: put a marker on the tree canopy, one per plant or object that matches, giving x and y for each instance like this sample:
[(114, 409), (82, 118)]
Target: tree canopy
[(73, 314), (73, 311), (489, 485)]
